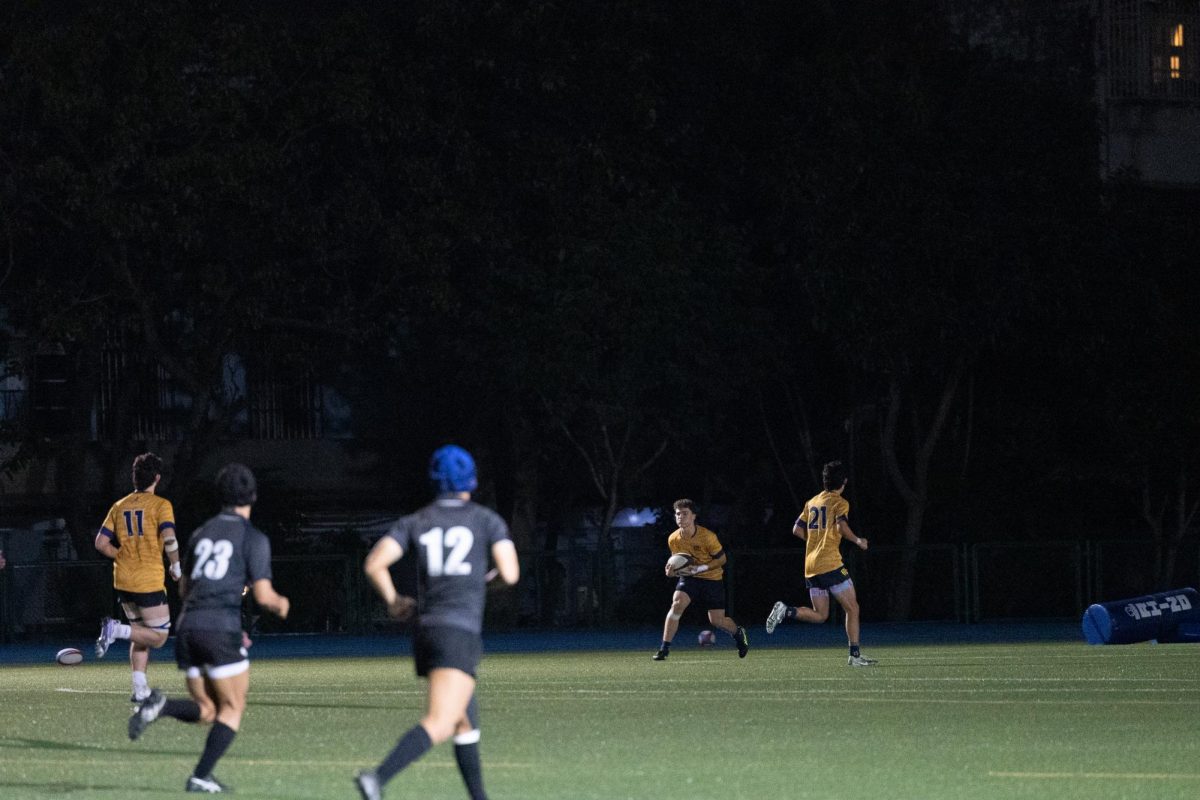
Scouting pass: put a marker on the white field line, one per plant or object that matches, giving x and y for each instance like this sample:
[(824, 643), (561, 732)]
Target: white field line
[(254, 762), (880, 675), (1119, 776), (838, 687), (268, 692)]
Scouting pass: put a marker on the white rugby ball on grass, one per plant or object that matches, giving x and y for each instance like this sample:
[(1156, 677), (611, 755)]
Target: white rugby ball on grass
[(679, 561), (68, 656)]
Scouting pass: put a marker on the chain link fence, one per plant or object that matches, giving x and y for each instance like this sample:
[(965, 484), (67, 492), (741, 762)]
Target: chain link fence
[(980, 582)]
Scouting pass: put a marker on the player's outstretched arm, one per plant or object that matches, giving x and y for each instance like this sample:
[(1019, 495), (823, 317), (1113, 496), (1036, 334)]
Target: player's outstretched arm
[(171, 548), (105, 545), (387, 551), (697, 569), (266, 596), (504, 553), (844, 529)]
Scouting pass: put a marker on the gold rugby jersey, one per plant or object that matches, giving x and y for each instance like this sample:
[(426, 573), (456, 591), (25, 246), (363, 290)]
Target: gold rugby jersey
[(136, 524), (703, 546), (820, 516)]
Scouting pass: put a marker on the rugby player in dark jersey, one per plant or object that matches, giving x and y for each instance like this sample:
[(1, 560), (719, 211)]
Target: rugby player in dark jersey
[(223, 556), (452, 538)]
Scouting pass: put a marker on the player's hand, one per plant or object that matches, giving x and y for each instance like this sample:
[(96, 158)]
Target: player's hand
[(176, 572), (401, 607), (283, 608), (862, 543), (246, 640)]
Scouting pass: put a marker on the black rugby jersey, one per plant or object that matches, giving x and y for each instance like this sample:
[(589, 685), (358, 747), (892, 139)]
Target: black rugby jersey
[(452, 539), (223, 556)]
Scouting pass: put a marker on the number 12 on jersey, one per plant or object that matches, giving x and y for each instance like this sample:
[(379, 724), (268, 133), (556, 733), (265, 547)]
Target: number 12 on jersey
[(457, 540)]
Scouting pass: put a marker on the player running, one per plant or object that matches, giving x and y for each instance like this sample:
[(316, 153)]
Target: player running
[(823, 524), (139, 528), (224, 555), (452, 538), (702, 582)]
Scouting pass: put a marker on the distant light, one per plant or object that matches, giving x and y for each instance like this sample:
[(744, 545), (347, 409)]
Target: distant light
[(635, 517), (1177, 36)]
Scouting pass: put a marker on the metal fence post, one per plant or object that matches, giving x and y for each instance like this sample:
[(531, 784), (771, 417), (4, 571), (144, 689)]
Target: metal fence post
[(1079, 553), (4, 621), (960, 614), (973, 556)]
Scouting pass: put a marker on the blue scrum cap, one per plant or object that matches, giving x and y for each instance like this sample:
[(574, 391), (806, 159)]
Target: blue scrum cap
[(451, 469)]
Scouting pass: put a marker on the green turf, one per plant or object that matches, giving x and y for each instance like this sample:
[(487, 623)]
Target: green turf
[(969, 721)]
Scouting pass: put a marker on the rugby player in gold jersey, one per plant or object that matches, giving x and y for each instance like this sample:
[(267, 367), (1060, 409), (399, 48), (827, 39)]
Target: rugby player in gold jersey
[(702, 581), (823, 525), (139, 528)]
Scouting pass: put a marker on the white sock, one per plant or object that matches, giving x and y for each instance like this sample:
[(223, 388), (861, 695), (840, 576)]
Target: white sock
[(122, 631), (139, 681)]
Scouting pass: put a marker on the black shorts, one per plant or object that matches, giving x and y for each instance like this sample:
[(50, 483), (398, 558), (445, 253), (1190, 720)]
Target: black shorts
[(706, 594), (827, 580), (438, 647), (142, 599), (216, 654)]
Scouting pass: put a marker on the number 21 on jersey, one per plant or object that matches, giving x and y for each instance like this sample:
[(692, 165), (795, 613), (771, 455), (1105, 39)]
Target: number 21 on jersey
[(457, 541)]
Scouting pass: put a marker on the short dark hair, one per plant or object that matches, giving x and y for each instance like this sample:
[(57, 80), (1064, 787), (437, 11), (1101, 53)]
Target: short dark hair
[(146, 468), (690, 505), (236, 486), (833, 475)]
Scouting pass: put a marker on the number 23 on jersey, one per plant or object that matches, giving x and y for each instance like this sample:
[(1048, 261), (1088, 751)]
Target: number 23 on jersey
[(212, 559)]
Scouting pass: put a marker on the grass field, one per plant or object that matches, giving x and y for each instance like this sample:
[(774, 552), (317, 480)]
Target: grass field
[(968, 721)]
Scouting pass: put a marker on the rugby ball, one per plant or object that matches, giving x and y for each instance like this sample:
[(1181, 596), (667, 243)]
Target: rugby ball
[(68, 656), (678, 561), (707, 638)]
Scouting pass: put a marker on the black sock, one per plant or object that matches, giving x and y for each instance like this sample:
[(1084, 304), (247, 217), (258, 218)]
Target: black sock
[(854, 649), (182, 710), (665, 645), (219, 739), (790, 613), (411, 746), (469, 764)]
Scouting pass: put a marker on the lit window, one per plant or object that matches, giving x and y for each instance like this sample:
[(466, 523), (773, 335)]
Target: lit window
[(1177, 36), (1175, 70)]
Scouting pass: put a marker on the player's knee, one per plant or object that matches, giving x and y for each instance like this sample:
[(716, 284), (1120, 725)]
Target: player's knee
[(155, 630), (208, 713), (233, 705), (439, 728), (822, 614)]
